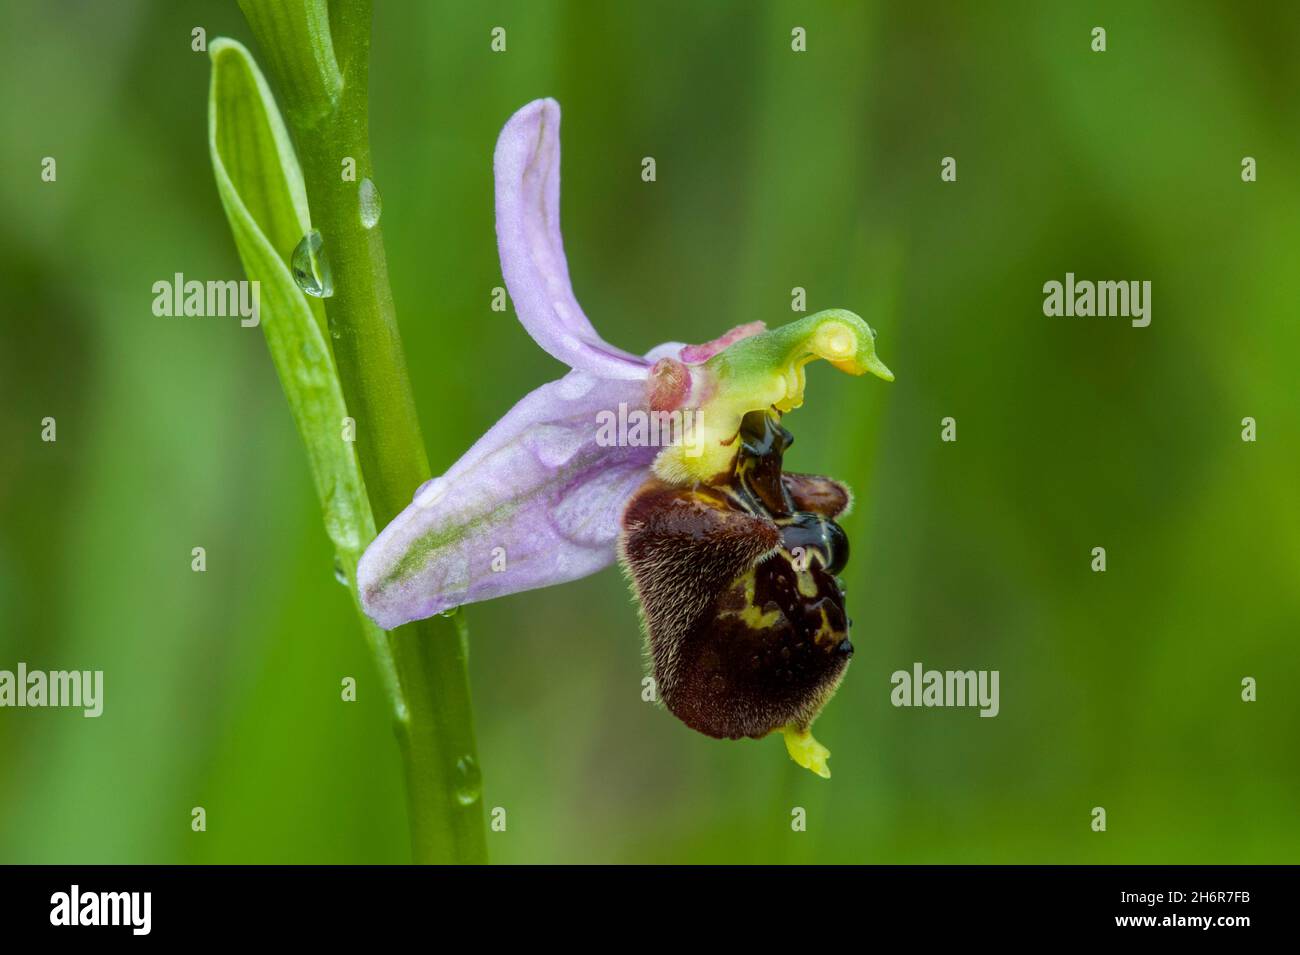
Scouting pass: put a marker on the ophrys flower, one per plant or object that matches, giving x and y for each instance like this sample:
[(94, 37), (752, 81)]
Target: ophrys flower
[(726, 554)]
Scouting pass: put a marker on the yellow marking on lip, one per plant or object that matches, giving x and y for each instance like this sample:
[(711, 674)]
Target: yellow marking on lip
[(806, 577), (752, 616)]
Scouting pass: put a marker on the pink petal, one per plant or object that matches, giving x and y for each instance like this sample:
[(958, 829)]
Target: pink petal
[(527, 165), (536, 501)]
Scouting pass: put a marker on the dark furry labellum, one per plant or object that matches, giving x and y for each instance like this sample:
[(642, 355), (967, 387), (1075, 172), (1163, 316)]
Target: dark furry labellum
[(744, 616)]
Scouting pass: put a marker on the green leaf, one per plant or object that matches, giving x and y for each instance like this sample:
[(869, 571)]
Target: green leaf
[(261, 188)]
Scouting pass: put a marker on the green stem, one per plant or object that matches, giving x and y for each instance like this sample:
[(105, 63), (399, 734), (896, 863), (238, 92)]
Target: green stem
[(329, 122)]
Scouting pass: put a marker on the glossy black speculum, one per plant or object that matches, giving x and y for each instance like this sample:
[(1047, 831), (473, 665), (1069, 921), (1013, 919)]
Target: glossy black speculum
[(744, 614)]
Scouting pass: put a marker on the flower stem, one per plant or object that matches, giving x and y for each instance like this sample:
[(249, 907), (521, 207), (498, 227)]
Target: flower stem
[(329, 121)]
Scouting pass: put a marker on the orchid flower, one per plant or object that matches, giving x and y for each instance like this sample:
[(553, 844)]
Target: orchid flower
[(732, 561)]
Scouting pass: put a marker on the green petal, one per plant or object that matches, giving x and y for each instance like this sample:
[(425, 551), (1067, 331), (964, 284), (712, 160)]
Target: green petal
[(766, 371)]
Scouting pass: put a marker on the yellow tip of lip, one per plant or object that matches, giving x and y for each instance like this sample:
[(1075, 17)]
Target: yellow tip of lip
[(877, 368), (853, 367), (806, 751)]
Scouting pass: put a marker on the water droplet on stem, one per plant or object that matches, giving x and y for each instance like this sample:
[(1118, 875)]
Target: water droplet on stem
[(311, 266), (371, 204), (469, 781)]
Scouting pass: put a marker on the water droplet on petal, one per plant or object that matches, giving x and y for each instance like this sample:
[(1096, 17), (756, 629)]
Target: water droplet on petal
[(311, 266), (449, 614), (575, 384), (342, 519), (427, 494), (371, 205), (555, 446), (469, 781)]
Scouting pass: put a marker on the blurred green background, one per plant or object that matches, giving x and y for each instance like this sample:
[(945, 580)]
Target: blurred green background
[(775, 170)]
